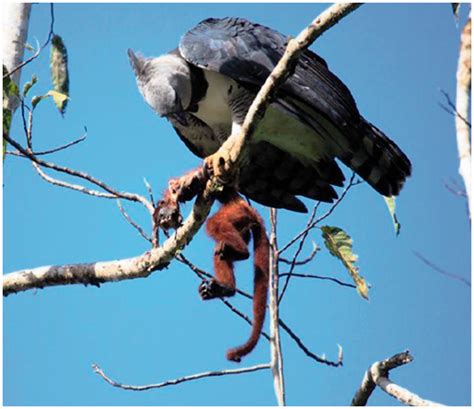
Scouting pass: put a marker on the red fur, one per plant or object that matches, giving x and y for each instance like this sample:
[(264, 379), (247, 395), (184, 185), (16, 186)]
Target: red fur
[(230, 227)]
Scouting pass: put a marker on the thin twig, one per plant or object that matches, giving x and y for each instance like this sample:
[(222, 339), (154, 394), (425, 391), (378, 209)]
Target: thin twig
[(149, 190), (72, 186), (304, 261), (62, 147), (298, 251), (82, 175), (455, 189), (317, 358), (39, 49), (451, 108), (335, 280), (441, 271), (324, 216), (132, 223), (177, 381)]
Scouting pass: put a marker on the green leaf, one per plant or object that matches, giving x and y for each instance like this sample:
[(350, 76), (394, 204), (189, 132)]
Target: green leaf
[(59, 72), (59, 99), (10, 90), (7, 121), (28, 85), (36, 99), (390, 201), (339, 244)]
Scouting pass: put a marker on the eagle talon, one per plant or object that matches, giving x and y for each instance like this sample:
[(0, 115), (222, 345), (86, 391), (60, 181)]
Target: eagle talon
[(217, 166)]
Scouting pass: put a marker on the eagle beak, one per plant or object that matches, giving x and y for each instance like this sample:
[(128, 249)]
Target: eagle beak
[(180, 117)]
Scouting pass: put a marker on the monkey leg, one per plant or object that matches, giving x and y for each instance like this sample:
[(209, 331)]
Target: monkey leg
[(231, 243), (222, 284)]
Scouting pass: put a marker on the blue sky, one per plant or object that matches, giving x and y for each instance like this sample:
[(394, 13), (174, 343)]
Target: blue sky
[(395, 59)]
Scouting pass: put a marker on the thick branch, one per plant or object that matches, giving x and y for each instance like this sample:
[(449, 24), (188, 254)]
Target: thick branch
[(275, 343), (116, 270), (377, 374), (15, 31), (463, 91)]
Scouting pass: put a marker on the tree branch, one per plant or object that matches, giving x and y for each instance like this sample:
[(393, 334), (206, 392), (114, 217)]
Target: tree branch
[(318, 277), (177, 381), (377, 375), (116, 270), (463, 91), (275, 344)]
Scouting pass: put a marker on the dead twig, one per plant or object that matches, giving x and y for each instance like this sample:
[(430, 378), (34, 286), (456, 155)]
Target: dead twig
[(335, 280), (377, 375), (132, 223), (177, 381), (112, 193), (304, 261), (441, 271), (314, 223)]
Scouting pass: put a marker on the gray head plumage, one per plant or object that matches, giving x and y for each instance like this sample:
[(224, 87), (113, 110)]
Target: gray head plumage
[(164, 83)]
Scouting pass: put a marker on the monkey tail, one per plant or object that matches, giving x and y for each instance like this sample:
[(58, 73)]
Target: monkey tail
[(261, 261)]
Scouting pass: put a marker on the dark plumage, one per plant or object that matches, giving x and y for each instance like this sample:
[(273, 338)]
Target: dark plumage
[(206, 86)]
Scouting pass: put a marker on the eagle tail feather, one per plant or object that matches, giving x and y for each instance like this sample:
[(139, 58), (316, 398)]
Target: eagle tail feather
[(379, 161)]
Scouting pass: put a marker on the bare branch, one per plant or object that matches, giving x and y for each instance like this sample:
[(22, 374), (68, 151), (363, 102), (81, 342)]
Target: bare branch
[(441, 271), (82, 175), (451, 108), (319, 278), (298, 251), (132, 223), (149, 190), (177, 381), (454, 188), (301, 262), (72, 186), (317, 358), (275, 343), (314, 223), (378, 373), (62, 147), (116, 270)]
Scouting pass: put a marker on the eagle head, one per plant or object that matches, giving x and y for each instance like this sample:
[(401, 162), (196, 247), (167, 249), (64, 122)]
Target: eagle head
[(164, 83)]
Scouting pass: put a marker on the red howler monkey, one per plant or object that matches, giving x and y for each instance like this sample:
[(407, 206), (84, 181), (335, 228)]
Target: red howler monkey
[(231, 227)]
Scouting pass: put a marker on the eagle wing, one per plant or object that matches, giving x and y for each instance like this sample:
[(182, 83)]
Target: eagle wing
[(248, 52)]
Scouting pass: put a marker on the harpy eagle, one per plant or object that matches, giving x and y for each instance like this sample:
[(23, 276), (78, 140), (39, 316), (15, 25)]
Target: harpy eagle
[(206, 85)]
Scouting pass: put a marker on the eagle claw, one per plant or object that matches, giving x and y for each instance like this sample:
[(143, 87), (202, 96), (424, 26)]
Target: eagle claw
[(218, 166)]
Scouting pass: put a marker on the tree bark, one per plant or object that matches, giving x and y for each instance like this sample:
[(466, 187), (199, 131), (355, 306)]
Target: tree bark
[(16, 17)]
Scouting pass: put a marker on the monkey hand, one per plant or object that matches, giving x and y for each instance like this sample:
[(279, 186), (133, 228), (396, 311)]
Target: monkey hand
[(210, 289)]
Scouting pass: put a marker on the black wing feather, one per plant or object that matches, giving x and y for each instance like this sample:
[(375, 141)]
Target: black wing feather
[(248, 52)]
